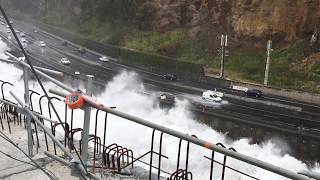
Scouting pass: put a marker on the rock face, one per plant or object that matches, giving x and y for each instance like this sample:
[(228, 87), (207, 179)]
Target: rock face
[(283, 20)]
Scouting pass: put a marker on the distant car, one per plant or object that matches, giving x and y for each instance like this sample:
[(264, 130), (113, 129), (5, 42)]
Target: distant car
[(65, 61), (171, 77), (166, 97), (7, 26), (254, 93), (22, 34), (24, 45), (11, 22), (2, 23), (23, 40), (64, 43), (42, 44), (104, 59), (17, 31), (77, 73), (21, 58), (35, 31), (8, 31), (212, 96), (82, 50)]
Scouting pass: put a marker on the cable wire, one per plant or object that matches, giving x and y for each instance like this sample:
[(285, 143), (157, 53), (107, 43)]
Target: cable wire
[(5, 137), (25, 162), (39, 81)]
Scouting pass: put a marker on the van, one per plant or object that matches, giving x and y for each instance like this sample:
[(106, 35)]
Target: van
[(212, 96)]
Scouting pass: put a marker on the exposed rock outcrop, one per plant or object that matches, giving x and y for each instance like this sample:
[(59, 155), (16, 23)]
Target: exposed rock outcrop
[(283, 20)]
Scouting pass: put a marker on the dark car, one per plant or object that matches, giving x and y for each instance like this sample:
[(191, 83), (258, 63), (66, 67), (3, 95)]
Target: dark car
[(64, 43), (171, 77), (254, 93), (82, 50)]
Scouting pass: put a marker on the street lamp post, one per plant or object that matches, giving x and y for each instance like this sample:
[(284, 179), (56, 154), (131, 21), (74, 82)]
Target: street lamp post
[(224, 43), (266, 74)]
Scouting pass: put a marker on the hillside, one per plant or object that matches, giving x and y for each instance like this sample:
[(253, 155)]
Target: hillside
[(189, 30)]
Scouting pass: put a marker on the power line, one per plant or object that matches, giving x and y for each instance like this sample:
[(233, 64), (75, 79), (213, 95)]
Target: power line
[(25, 162)]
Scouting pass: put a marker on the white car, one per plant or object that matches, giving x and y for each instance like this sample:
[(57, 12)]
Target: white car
[(77, 73), (23, 40), (42, 44), (65, 61), (22, 34), (2, 23), (212, 96), (8, 31), (104, 59), (11, 22), (21, 58)]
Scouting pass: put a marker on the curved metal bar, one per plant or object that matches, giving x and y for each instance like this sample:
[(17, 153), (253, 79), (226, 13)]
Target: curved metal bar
[(49, 109), (30, 97), (160, 151), (187, 154), (40, 107), (3, 83), (127, 151), (151, 155)]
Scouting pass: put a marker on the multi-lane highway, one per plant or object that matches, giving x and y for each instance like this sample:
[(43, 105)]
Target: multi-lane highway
[(270, 112)]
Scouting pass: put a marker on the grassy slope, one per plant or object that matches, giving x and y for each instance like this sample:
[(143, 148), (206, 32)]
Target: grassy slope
[(285, 69)]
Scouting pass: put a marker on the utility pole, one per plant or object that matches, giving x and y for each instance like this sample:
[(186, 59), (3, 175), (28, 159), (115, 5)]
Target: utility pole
[(224, 43), (266, 74)]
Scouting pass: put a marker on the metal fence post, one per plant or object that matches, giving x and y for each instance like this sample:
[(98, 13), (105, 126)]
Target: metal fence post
[(27, 103), (86, 122)]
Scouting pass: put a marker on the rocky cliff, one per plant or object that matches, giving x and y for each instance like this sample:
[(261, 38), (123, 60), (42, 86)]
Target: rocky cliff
[(282, 20)]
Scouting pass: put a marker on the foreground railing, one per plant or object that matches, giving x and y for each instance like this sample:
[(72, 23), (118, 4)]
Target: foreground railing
[(115, 157)]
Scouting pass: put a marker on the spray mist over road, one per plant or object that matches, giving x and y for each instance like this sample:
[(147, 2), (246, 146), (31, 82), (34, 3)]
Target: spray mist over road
[(122, 92)]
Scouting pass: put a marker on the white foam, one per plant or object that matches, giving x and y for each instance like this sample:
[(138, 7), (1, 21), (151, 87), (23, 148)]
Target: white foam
[(122, 92)]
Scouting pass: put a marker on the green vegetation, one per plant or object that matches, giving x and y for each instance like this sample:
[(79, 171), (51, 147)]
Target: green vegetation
[(286, 68), (115, 22)]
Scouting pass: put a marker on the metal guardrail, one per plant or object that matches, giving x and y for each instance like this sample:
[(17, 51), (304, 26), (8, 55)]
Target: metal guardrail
[(119, 154)]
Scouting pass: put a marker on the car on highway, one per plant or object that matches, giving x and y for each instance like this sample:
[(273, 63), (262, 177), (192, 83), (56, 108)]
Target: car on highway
[(22, 34), (2, 23), (167, 98), (65, 61), (81, 50), (8, 31), (35, 31), (64, 43), (104, 59), (77, 73), (212, 96), (254, 93), (23, 40), (24, 46), (42, 44), (11, 22), (171, 77)]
